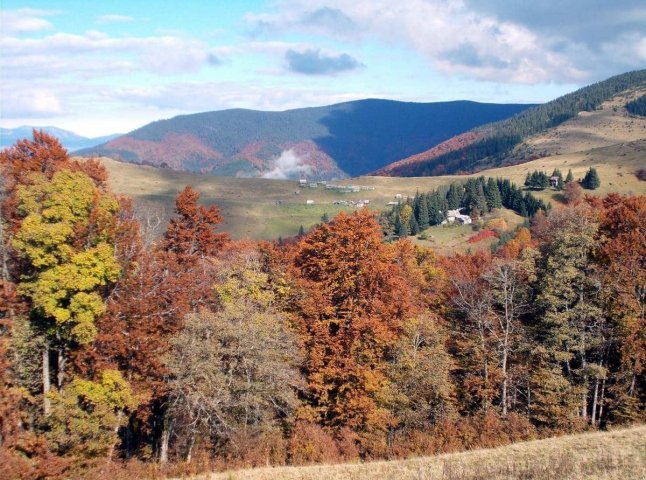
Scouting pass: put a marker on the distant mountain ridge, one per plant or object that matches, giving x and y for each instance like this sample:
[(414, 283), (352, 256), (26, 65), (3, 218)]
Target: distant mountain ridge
[(493, 144), (335, 141), (70, 140)]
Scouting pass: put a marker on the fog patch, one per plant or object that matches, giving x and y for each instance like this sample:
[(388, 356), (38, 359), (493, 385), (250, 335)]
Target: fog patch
[(288, 165)]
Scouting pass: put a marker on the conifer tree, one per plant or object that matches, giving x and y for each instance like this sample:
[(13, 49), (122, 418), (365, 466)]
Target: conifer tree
[(591, 180), (492, 193), (423, 214), (413, 226), (570, 177)]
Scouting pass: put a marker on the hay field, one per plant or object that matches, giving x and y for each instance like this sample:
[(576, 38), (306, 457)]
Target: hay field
[(613, 455), (608, 139)]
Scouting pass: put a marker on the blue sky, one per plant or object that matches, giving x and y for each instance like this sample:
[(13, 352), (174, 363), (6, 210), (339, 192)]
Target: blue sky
[(112, 66)]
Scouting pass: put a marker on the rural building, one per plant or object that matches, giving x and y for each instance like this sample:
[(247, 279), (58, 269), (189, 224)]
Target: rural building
[(309, 202), (454, 216), (554, 181)]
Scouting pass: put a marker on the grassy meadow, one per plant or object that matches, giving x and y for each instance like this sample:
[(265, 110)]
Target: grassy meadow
[(266, 209), (608, 139), (613, 455)]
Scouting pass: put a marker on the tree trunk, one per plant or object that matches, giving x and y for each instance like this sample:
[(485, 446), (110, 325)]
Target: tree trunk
[(47, 405), (191, 444), (165, 440), (603, 393), (593, 420), (116, 438), (584, 395), (60, 372), (504, 383)]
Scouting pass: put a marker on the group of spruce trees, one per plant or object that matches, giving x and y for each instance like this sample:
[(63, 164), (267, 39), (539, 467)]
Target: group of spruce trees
[(539, 180), (475, 197)]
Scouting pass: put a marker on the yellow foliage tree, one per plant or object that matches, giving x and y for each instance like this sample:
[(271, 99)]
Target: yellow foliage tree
[(65, 240)]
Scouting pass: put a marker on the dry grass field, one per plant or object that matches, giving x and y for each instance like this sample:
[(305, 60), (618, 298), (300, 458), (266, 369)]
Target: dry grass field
[(613, 455), (608, 139)]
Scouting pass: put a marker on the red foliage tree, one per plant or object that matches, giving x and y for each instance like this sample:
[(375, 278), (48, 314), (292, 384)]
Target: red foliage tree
[(192, 232), (355, 299)]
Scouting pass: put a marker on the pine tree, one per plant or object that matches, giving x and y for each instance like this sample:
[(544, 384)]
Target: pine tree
[(591, 180), (492, 194), (401, 229), (570, 177), (325, 218), (413, 226), (423, 215)]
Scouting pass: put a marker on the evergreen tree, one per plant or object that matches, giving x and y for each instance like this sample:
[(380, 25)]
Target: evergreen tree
[(591, 180), (492, 194), (301, 231), (325, 218), (423, 214), (413, 226), (454, 196), (398, 225), (570, 177)]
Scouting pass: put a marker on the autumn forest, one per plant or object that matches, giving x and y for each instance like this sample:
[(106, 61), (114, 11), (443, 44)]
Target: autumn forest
[(131, 356)]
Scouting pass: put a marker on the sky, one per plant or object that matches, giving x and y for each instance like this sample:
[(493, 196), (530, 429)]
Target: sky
[(105, 67)]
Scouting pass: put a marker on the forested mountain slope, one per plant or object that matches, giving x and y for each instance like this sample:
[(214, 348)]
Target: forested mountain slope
[(498, 143), (346, 139)]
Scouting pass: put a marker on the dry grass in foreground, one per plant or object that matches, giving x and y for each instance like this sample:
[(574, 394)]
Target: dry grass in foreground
[(619, 454)]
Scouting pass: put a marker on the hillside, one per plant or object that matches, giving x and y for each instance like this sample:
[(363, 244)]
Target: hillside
[(615, 455), (347, 139), (266, 209), (70, 140), (511, 141)]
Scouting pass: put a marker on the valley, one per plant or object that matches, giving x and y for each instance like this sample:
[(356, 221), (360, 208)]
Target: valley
[(267, 209)]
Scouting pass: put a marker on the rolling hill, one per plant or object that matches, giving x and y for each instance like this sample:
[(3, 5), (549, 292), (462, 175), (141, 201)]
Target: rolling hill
[(70, 140), (508, 141), (336, 141)]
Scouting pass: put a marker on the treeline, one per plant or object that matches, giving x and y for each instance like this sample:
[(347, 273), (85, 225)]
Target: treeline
[(637, 106), (476, 197), (126, 359), (498, 139)]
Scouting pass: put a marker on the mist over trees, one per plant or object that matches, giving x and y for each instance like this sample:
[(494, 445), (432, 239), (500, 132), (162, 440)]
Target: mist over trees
[(122, 358)]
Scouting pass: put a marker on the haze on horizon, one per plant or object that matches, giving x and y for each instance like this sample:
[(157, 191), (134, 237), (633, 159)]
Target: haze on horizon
[(103, 67)]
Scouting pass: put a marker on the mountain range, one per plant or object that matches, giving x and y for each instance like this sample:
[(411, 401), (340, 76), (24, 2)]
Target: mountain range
[(70, 140), (336, 141)]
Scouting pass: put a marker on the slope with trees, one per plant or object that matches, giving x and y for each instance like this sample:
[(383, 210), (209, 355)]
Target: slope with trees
[(346, 139), (196, 351), (490, 145)]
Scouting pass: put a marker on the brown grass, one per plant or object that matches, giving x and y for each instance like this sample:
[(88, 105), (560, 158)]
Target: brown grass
[(608, 139), (613, 455)]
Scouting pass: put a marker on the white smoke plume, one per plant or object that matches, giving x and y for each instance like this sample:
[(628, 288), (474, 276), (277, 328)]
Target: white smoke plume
[(288, 165)]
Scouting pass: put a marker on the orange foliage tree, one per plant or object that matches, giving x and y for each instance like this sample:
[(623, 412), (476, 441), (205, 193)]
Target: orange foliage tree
[(355, 299)]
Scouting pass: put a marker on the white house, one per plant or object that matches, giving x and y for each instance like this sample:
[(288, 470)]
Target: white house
[(454, 216), (309, 202)]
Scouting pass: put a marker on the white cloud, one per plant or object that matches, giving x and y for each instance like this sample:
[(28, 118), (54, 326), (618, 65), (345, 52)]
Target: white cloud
[(114, 18), (288, 165), (33, 103), (160, 54), (24, 20), (460, 38)]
